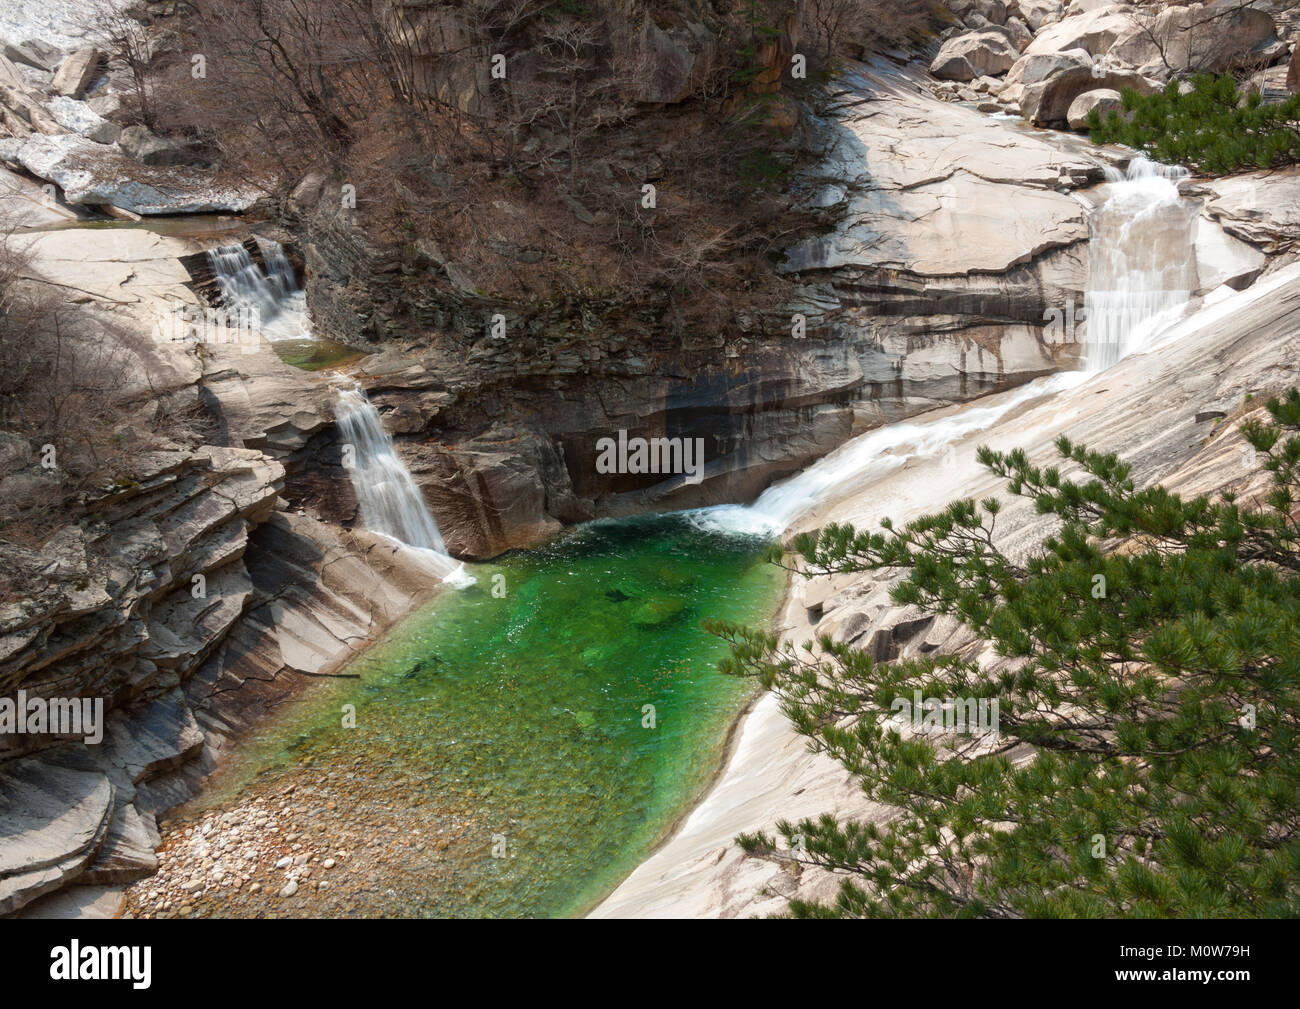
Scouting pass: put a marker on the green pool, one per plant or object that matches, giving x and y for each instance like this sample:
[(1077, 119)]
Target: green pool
[(517, 752)]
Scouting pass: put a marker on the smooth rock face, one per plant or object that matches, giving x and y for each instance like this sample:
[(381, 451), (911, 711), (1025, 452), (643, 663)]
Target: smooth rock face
[(53, 821), (90, 173), (1104, 100), (1262, 208), (965, 57), (927, 206)]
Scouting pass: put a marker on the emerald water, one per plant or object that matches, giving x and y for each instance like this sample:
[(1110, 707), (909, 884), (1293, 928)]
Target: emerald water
[(316, 353), (510, 714)]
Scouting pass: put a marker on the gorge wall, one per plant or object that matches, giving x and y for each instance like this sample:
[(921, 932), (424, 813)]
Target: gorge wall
[(931, 283)]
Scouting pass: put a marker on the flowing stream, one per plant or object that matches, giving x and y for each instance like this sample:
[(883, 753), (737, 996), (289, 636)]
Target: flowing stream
[(1143, 271), (270, 301)]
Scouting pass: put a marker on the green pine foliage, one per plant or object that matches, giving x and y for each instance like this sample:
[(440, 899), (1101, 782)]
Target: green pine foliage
[(1146, 763), (1210, 129)]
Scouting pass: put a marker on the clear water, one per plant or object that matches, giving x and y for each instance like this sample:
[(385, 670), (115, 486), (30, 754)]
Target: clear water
[(519, 720)]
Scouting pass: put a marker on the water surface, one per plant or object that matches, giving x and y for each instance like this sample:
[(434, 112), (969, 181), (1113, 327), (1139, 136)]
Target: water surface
[(504, 757)]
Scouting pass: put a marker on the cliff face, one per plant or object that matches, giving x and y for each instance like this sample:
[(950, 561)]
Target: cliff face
[(186, 595), (932, 283), (943, 269)]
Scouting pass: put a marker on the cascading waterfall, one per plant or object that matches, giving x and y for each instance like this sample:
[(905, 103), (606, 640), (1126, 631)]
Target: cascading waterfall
[(271, 300), (391, 503), (1141, 271)]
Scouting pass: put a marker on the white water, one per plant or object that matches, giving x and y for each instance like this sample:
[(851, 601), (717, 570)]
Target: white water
[(390, 501), (870, 456), (1142, 270), (1140, 284), (271, 298)]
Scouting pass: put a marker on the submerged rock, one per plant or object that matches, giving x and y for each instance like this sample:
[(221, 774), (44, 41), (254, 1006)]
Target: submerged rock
[(658, 611)]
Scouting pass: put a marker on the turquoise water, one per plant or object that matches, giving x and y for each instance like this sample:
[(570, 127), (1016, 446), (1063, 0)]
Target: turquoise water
[(511, 720)]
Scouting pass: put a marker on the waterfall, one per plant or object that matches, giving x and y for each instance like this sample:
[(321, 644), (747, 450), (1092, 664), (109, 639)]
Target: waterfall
[(270, 300), (390, 501), (1142, 270)]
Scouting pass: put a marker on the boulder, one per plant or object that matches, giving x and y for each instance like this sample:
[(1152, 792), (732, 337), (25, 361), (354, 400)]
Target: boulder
[(1032, 68), (1019, 33), (28, 112), (76, 73), (1037, 13), (1213, 38), (1049, 101), (994, 11), (1075, 7), (965, 57), (106, 105), (1104, 100), (79, 118), (1094, 31)]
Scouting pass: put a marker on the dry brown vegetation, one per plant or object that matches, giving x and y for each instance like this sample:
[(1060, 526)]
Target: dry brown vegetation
[(66, 423), (533, 182)]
